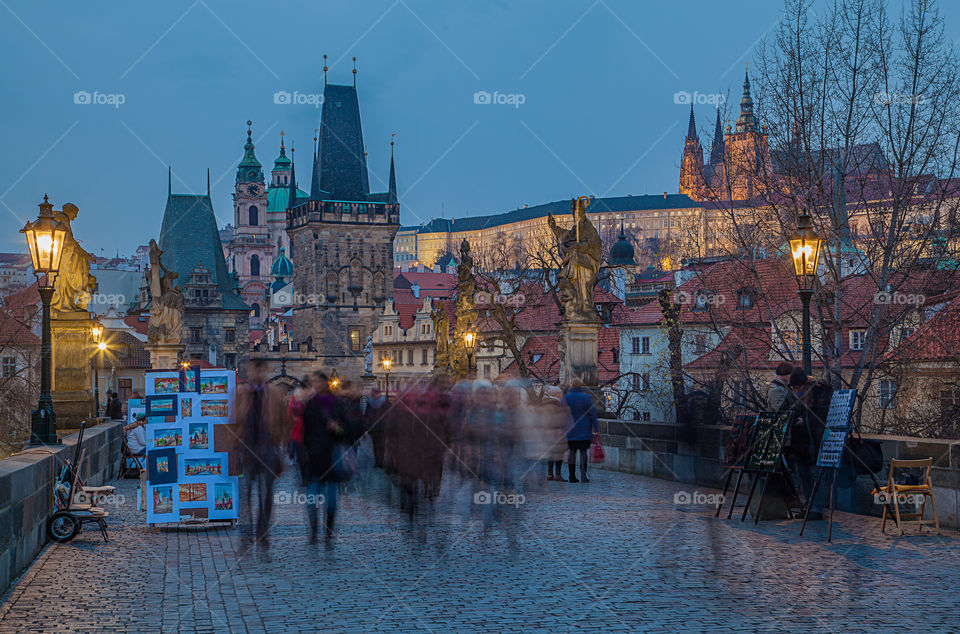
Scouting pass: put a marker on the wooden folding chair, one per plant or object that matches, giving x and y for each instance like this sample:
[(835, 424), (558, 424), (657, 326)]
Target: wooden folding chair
[(125, 455), (893, 491)]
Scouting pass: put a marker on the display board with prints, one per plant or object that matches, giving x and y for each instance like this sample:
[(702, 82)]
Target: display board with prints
[(187, 413), (768, 438), (838, 427)]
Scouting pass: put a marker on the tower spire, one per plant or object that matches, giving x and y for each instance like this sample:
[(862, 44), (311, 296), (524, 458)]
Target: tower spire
[(747, 121), (354, 72), (315, 181), (292, 196), (716, 148), (325, 69), (392, 193), (692, 125)]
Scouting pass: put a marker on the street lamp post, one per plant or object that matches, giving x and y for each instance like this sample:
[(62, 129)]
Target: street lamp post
[(470, 342), (805, 251), (386, 363), (97, 334), (45, 238)]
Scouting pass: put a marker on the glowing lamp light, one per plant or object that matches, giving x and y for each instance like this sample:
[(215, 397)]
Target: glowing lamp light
[(386, 363), (805, 252), (469, 338), (102, 345), (45, 237)]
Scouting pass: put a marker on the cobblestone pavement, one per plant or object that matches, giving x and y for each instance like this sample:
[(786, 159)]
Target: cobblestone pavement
[(615, 554)]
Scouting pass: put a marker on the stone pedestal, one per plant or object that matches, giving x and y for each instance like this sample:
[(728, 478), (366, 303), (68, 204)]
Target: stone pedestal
[(367, 381), (165, 356), (71, 362), (580, 357)]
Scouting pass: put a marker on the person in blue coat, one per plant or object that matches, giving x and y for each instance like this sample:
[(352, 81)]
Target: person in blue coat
[(583, 422)]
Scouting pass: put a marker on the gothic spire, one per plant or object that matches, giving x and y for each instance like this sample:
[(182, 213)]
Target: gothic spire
[(716, 148), (393, 177), (692, 126), (747, 122), (315, 180), (292, 196)]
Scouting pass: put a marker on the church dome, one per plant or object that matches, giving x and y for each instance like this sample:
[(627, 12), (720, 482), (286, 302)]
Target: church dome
[(282, 266), (621, 253)]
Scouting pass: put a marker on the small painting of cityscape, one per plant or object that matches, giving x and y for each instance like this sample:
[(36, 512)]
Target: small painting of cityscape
[(203, 466), (163, 500), (219, 407), (166, 385), (167, 437), (223, 496), (186, 407), (193, 492), (198, 436), (213, 385), (163, 464)]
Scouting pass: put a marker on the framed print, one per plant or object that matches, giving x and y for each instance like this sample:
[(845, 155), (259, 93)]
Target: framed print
[(193, 494), (162, 435), (166, 383), (215, 407), (204, 465), (136, 407), (162, 506), (187, 402), (215, 384), (224, 505), (162, 466), (198, 436), (162, 405), (189, 378)]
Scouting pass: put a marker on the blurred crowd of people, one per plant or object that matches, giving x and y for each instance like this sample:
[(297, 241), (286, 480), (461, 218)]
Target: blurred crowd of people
[(482, 441)]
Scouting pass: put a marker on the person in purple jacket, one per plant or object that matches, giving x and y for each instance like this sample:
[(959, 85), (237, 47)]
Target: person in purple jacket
[(583, 424)]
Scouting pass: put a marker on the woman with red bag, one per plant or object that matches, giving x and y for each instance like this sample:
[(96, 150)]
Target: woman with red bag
[(582, 426)]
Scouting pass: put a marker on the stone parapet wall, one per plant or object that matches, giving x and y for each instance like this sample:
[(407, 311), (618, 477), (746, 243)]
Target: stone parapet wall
[(26, 492), (694, 454)]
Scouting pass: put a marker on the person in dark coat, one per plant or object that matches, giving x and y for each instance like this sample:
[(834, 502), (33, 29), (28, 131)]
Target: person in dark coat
[(813, 401), (583, 424), (323, 430)]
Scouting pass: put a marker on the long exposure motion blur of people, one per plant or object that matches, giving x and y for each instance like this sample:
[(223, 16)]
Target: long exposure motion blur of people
[(583, 424), (260, 416)]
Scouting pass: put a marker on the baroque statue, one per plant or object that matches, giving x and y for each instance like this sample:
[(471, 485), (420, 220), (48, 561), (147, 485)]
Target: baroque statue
[(581, 253), (74, 282), (166, 310), (368, 356)]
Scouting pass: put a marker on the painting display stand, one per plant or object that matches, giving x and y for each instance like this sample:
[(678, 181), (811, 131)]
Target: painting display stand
[(735, 456), (765, 458), (831, 451), (189, 431)]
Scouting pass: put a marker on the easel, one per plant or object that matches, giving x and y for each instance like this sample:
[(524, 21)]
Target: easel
[(831, 450), (741, 435), (766, 457)]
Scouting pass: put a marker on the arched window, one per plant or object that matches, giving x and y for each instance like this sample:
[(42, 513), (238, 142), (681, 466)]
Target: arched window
[(254, 265), (254, 216), (256, 310)]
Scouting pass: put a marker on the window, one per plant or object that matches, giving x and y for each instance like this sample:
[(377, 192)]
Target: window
[(8, 367), (700, 344), (616, 355), (887, 389), (636, 345), (791, 343), (355, 340), (645, 416), (409, 357), (255, 311), (857, 339), (254, 216), (949, 402), (423, 357), (387, 331), (744, 299), (255, 265), (906, 333), (230, 360), (645, 381), (229, 335), (195, 334), (645, 345)]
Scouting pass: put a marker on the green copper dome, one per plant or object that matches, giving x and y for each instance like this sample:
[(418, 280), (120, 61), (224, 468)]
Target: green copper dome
[(282, 266)]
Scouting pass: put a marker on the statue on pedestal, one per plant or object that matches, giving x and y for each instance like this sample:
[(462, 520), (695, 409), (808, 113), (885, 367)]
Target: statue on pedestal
[(368, 356), (74, 282), (166, 310), (581, 253), (441, 329)]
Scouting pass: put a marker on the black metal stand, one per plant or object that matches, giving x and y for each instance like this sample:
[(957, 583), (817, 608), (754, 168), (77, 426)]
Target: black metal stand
[(813, 493)]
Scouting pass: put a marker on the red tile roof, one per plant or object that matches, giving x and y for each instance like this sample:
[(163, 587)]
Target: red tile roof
[(138, 322), (15, 333), (936, 340)]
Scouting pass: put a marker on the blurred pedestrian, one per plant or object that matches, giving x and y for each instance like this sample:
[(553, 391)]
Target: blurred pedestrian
[(376, 406), (583, 424), (323, 429), (556, 416), (260, 415), (813, 401), (298, 401)]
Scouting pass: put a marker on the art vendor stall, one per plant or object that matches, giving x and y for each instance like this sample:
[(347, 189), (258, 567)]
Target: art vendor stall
[(189, 413)]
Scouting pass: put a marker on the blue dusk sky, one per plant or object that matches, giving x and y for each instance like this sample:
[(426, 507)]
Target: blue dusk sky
[(586, 93)]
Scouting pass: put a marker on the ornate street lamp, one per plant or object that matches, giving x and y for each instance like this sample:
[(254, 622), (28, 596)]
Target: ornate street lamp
[(470, 342), (96, 333), (334, 381), (386, 363), (805, 251), (45, 237)]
